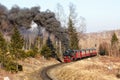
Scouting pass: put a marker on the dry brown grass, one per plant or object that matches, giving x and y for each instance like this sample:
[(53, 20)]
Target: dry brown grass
[(31, 69), (96, 68)]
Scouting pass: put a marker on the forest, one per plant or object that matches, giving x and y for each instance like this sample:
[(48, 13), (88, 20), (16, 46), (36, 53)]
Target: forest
[(28, 32)]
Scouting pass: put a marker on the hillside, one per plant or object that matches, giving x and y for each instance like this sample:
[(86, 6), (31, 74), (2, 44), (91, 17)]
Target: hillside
[(95, 68), (31, 69), (90, 40)]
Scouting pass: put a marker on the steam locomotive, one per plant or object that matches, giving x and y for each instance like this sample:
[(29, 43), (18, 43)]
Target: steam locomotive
[(73, 55)]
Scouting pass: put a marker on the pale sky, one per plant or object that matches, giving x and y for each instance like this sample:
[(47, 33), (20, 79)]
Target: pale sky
[(100, 15)]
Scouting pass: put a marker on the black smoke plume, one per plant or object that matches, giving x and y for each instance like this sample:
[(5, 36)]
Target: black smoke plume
[(22, 18)]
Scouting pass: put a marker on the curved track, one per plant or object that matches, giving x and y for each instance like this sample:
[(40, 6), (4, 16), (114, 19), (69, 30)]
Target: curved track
[(44, 74)]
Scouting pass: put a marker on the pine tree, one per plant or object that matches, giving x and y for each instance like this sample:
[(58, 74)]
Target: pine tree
[(16, 43), (50, 45), (114, 39), (3, 49), (3, 44), (48, 49), (73, 39), (114, 46), (45, 51)]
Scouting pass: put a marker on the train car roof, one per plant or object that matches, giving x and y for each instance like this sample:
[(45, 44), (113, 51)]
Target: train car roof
[(75, 50), (85, 49), (82, 50), (88, 49), (91, 49)]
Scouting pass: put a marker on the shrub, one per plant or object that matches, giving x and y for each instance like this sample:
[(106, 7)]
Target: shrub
[(12, 66), (1, 57), (20, 68), (30, 53), (118, 74), (21, 54), (103, 49)]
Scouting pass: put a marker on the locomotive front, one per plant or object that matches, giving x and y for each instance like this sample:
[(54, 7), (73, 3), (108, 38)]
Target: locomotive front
[(68, 55)]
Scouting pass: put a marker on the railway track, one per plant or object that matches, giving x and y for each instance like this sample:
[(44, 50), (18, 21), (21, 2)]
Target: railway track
[(44, 75)]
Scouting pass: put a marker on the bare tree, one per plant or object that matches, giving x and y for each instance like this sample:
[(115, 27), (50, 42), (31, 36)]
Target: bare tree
[(78, 21), (72, 10), (60, 14), (81, 27)]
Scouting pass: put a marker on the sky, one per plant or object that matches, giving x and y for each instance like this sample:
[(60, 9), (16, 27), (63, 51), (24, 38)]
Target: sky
[(100, 15)]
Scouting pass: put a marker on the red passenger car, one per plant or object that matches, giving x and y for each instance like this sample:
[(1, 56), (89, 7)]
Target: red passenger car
[(72, 55)]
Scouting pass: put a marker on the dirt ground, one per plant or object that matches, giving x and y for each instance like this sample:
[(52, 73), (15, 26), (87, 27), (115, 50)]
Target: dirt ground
[(31, 69), (95, 68)]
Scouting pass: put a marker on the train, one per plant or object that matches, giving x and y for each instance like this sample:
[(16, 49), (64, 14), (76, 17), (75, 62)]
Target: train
[(73, 55)]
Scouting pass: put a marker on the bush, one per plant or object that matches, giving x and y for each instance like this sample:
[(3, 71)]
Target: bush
[(30, 53), (103, 49), (102, 52), (12, 66), (21, 54), (118, 74), (1, 58), (20, 68)]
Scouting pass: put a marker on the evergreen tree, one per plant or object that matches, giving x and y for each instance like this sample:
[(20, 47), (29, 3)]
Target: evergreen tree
[(3, 49), (5, 59), (114, 39), (114, 46), (48, 49), (45, 51), (50, 45), (16, 43), (73, 39), (3, 44)]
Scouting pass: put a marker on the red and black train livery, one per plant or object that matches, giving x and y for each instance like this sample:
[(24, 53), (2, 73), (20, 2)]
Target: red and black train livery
[(72, 55)]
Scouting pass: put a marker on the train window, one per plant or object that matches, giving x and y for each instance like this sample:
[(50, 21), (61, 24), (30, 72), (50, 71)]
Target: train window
[(83, 52), (91, 51), (94, 50), (78, 53), (74, 51), (87, 51)]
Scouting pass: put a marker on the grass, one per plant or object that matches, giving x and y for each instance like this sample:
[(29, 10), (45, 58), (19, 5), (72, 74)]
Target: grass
[(32, 68), (88, 69)]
